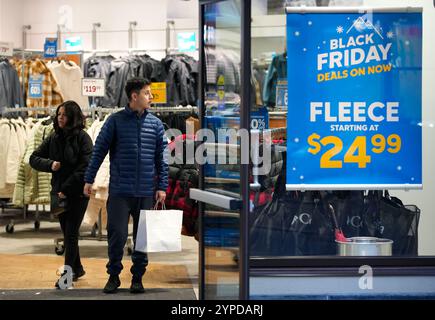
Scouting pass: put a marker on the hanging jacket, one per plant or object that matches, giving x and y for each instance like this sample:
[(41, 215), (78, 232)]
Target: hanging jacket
[(5, 134), (136, 146), (73, 151), (183, 177), (180, 79), (10, 90), (97, 67), (277, 70), (69, 76), (33, 187), (51, 93)]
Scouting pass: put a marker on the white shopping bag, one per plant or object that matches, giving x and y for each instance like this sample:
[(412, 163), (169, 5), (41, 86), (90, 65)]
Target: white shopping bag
[(159, 230)]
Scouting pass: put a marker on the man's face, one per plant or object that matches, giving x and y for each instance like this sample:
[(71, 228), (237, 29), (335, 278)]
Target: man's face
[(144, 98)]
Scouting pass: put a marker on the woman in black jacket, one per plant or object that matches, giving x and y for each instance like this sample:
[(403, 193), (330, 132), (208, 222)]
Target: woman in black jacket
[(66, 154)]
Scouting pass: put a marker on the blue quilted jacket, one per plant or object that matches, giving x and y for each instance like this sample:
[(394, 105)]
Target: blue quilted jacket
[(137, 146)]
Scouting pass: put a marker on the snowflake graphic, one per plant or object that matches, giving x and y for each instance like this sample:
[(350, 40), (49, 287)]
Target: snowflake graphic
[(339, 29), (390, 34), (310, 23), (297, 33)]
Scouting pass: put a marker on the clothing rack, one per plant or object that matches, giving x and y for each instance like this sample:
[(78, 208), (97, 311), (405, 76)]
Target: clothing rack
[(173, 109), (101, 110), (28, 53), (132, 51), (6, 111), (10, 225)]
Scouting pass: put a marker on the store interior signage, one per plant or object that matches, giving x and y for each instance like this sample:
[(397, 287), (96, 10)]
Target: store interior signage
[(50, 48), (73, 44), (186, 41), (6, 49)]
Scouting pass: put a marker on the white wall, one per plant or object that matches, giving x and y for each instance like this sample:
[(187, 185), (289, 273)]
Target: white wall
[(11, 21), (268, 33), (114, 15)]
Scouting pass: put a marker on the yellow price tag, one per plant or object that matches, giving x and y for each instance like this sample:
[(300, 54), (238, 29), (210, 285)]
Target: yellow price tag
[(221, 87), (158, 89)]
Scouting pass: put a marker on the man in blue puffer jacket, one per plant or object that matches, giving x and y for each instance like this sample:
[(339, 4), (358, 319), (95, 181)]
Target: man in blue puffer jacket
[(137, 145)]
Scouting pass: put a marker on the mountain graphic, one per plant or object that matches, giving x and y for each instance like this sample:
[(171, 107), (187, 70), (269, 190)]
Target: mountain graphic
[(361, 25)]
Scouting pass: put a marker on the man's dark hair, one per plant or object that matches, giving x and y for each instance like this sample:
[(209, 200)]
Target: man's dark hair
[(75, 118), (135, 85)]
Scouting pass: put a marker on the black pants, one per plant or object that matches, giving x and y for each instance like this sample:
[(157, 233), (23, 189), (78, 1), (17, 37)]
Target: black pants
[(70, 222), (119, 210)]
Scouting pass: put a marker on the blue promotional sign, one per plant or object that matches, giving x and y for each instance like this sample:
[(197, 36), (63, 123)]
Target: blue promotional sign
[(260, 119), (35, 87), (355, 106), (50, 48), (281, 94)]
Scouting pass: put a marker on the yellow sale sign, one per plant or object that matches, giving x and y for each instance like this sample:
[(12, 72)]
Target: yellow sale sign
[(158, 90)]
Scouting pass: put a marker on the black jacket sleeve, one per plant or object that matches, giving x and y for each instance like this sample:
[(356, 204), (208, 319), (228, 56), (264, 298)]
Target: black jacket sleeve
[(39, 159), (75, 181)]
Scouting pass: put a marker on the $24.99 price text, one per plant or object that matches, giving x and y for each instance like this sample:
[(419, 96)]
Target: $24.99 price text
[(356, 153)]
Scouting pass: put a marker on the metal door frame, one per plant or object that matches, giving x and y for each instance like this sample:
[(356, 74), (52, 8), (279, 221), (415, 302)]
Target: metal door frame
[(245, 54)]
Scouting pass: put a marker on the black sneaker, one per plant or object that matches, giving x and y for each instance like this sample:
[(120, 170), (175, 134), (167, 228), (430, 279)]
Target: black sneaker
[(136, 285), (79, 274), (112, 284)]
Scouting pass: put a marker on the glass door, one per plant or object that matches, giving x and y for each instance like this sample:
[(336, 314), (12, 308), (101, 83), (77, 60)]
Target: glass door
[(223, 152)]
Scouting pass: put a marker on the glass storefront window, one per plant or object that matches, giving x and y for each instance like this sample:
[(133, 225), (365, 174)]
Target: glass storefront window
[(290, 227), (302, 223)]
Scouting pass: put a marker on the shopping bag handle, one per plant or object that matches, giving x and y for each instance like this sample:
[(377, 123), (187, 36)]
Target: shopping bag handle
[(157, 205)]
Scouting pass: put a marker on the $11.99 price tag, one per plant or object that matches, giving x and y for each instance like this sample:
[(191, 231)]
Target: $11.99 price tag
[(356, 153)]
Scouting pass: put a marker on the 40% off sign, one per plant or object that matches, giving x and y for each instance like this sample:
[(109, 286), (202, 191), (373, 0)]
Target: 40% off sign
[(332, 146)]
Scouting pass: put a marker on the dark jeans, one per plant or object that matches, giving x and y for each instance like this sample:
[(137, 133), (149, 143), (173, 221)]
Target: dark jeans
[(70, 222), (119, 210)]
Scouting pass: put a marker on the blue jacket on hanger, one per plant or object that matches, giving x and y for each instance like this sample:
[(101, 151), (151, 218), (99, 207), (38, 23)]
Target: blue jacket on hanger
[(277, 71)]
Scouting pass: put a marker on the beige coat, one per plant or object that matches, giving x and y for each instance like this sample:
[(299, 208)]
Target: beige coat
[(5, 133), (69, 79)]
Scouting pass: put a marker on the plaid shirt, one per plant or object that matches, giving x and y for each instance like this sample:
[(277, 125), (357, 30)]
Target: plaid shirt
[(51, 94)]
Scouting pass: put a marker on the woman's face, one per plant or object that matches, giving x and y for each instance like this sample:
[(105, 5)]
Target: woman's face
[(62, 118)]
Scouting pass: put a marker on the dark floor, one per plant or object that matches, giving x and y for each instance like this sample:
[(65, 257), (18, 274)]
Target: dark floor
[(97, 294)]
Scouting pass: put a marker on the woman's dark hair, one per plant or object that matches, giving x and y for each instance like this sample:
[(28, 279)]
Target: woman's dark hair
[(75, 118)]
